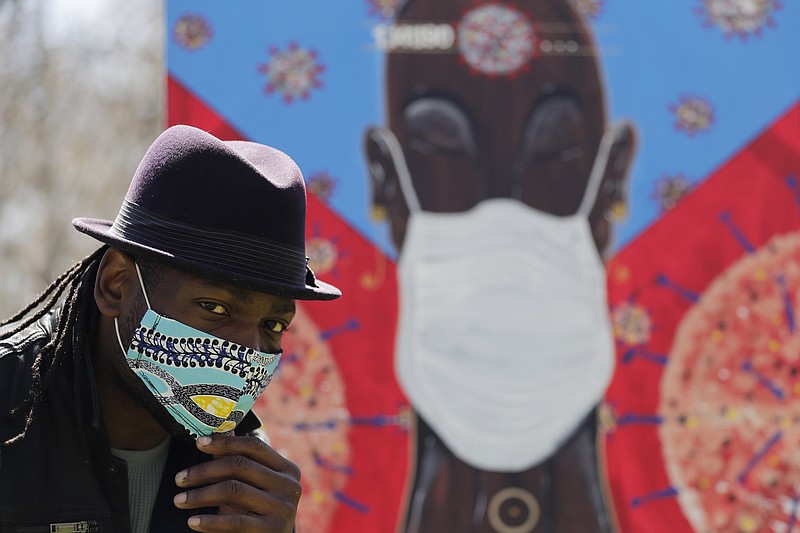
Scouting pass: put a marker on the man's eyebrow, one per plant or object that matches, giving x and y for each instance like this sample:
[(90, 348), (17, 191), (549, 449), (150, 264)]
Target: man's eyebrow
[(287, 307)]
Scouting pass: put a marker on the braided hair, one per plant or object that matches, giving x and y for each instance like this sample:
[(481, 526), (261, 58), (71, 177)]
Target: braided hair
[(60, 345)]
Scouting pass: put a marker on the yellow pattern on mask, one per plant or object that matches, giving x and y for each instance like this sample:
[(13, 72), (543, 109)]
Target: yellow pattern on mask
[(215, 405)]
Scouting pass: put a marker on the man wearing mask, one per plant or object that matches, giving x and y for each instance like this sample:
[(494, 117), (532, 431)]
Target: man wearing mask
[(126, 387), (498, 172)]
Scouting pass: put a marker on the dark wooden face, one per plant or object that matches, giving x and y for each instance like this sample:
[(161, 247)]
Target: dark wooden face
[(468, 136)]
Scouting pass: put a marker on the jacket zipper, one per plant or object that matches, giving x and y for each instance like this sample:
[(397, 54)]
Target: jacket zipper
[(84, 526)]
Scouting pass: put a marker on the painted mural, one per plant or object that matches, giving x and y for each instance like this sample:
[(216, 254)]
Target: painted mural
[(567, 236)]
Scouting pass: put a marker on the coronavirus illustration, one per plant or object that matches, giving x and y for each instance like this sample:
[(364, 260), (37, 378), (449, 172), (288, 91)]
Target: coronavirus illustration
[(496, 39), (588, 8), (384, 9), (192, 32), (740, 18), (322, 185), (631, 323), (730, 426), (305, 414), (669, 189), (293, 72), (322, 255), (693, 114)]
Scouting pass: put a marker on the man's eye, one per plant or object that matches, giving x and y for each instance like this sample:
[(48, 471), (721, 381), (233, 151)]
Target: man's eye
[(213, 307), (275, 326)]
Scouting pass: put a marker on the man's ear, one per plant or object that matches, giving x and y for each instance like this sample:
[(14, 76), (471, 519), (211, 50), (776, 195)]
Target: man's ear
[(612, 198), (112, 287), (387, 202)]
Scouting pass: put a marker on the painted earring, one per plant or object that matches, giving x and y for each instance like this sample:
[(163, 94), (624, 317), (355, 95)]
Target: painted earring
[(617, 212), (378, 213)]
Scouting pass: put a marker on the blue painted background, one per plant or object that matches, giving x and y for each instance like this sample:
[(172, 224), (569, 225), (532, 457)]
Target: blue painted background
[(653, 53)]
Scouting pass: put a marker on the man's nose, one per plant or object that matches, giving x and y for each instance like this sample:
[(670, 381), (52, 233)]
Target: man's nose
[(247, 336)]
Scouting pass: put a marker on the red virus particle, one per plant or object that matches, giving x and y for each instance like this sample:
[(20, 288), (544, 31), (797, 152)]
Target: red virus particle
[(293, 72), (192, 31), (632, 324), (495, 39), (740, 18), (308, 392), (384, 9), (669, 190), (589, 9), (322, 185), (692, 114), (729, 397)]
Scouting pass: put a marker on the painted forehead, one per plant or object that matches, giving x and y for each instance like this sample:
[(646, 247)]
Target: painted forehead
[(492, 39)]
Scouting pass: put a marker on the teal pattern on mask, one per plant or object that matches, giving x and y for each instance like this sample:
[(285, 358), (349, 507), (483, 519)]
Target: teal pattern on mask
[(207, 384)]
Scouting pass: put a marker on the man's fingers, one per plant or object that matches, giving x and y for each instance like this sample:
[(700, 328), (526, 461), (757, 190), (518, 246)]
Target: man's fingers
[(237, 494), (234, 523), (254, 487), (244, 469), (248, 446)]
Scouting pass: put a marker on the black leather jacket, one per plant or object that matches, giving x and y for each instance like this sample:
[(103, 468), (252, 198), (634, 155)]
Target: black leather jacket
[(62, 475)]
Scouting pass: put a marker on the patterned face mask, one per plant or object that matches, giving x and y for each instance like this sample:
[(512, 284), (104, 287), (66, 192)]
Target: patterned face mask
[(206, 383)]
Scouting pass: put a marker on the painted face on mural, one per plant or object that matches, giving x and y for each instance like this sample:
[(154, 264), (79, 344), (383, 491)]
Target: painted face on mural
[(515, 109), (501, 128)]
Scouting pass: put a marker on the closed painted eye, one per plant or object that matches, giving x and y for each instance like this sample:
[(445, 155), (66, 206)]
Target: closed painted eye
[(436, 125)]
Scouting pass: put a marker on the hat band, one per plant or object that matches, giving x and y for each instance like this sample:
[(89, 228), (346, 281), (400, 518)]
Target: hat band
[(225, 251)]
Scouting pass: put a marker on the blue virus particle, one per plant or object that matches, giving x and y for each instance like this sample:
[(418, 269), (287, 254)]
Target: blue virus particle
[(384, 9), (192, 31), (693, 114), (669, 190), (293, 72), (589, 9), (322, 185), (740, 18)]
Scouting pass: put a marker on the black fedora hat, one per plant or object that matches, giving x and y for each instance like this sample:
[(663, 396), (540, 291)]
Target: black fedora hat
[(230, 210)]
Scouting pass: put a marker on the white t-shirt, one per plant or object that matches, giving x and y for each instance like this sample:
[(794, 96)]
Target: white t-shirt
[(145, 468)]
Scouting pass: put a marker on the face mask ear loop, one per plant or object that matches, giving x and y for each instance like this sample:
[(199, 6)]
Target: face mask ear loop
[(146, 300), (119, 338), (403, 175), (141, 284), (598, 171)]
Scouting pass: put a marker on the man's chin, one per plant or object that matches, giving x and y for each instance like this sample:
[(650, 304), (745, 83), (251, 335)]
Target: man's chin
[(137, 393), (172, 427), (161, 415)]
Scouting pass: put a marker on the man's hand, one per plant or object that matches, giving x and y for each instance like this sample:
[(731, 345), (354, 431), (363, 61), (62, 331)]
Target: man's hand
[(253, 486)]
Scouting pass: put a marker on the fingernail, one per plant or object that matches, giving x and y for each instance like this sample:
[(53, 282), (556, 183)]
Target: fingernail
[(181, 476), (180, 498), (193, 521), (204, 441)]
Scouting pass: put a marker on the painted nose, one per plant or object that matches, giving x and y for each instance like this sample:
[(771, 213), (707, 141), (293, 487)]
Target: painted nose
[(501, 180), (499, 172)]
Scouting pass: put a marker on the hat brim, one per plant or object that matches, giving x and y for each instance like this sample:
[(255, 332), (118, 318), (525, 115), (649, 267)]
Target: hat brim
[(99, 229)]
